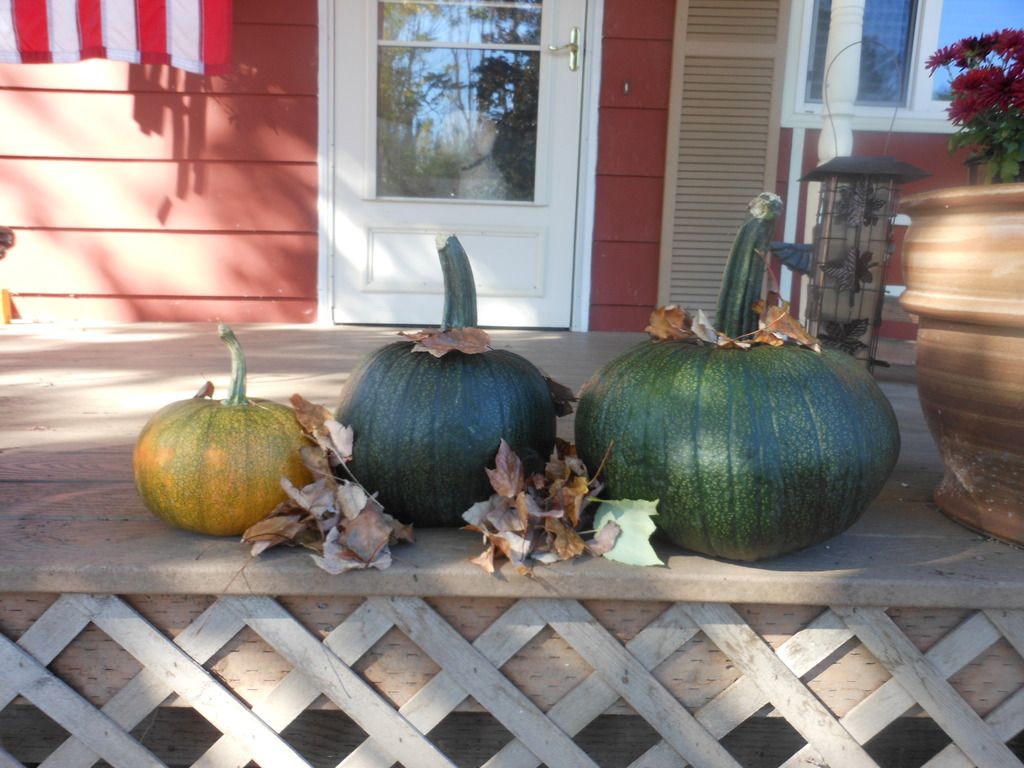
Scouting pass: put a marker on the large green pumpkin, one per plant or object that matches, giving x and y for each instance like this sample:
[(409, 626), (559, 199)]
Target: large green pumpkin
[(426, 427), (751, 453), (216, 466)]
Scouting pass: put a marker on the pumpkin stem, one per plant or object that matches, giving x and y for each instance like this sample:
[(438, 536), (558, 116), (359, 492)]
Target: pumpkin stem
[(236, 395), (459, 288), (744, 271)]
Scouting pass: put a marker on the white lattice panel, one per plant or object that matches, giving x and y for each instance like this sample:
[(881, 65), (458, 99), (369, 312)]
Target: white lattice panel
[(615, 657)]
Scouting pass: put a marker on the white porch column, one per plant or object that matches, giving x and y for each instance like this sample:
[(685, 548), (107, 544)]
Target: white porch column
[(842, 76)]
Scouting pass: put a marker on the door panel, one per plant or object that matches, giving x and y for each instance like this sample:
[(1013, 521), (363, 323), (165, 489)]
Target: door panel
[(396, 263), (455, 117)]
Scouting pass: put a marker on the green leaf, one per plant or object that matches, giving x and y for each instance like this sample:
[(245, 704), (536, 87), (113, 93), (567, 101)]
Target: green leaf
[(1008, 169), (633, 516)]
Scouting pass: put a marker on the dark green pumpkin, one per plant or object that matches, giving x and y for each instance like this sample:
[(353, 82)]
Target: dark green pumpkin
[(751, 453), (426, 427), (216, 466)]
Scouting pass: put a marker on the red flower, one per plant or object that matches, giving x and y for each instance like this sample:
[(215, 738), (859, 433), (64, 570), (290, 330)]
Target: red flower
[(987, 97), (994, 89), (981, 47), (1010, 44), (965, 108), (944, 57), (1017, 94), (970, 51)]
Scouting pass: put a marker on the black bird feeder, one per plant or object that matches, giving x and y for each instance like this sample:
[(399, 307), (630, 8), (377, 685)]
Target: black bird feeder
[(852, 245)]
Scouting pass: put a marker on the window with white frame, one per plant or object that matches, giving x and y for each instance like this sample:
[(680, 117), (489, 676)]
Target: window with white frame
[(885, 51), (898, 38)]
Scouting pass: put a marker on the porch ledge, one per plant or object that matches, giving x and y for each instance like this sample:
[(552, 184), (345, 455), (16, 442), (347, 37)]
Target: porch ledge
[(902, 553), (71, 521)]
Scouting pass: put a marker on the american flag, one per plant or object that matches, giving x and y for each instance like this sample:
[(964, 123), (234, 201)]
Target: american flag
[(194, 35)]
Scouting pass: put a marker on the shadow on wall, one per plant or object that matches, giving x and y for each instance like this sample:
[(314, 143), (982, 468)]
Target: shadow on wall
[(188, 120), (192, 198)]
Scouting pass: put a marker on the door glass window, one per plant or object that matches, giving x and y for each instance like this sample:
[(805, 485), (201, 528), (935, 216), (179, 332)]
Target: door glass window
[(457, 99)]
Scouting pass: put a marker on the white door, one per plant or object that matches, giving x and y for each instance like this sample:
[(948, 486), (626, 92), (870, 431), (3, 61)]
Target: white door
[(455, 116)]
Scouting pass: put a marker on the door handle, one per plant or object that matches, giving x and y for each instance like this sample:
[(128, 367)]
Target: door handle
[(573, 47)]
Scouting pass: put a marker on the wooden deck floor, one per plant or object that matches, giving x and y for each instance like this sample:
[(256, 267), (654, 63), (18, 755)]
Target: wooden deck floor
[(74, 398), (120, 629)]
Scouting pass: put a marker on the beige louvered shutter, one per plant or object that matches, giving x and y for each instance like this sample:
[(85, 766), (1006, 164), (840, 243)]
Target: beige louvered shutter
[(723, 137)]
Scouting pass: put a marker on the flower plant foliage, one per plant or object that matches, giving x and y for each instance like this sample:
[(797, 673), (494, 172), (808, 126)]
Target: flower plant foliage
[(987, 98)]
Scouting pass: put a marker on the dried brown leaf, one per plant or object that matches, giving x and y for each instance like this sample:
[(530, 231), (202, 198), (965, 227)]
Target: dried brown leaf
[(311, 417), (335, 441), (726, 342), (485, 559), (563, 463), (605, 539), (366, 535), (576, 466), (767, 337), (513, 546), (317, 498), (505, 516), (703, 328), (528, 508), (507, 477), (565, 542), (338, 558), (353, 499), (561, 396), (538, 523), (342, 439), (669, 322), (290, 528), (545, 557), (777, 319), (476, 516), (399, 531), (315, 460), (507, 544), (556, 470), (571, 497), (469, 341)]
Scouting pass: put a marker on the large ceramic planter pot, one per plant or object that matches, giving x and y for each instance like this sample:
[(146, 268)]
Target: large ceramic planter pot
[(964, 267)]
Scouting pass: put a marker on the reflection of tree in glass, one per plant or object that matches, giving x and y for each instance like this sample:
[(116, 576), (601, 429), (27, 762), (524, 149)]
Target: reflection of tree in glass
[(507, 94), (507, 89), (490, 23), (454, 121), (881, 73), (401, 166)]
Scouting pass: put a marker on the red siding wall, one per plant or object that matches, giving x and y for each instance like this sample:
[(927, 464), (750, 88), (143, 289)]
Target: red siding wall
[(635, 83), (146, 193)]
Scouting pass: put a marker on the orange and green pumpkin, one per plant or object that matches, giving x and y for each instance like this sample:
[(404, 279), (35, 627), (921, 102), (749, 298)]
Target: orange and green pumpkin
[(213, 466)]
